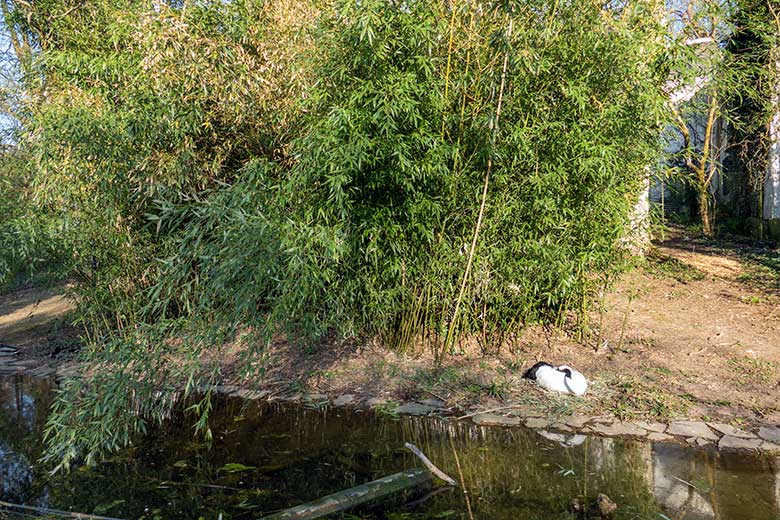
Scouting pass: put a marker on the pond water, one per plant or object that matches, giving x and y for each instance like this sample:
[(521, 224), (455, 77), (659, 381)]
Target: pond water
[(266, 457)]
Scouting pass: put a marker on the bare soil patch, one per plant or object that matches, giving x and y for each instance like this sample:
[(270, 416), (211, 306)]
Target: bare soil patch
[(699, 339), (37, 321)]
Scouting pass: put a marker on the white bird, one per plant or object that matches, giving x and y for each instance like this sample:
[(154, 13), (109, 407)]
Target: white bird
[(557, 379)]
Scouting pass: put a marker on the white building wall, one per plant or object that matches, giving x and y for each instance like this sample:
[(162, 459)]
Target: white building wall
[(772, 182)]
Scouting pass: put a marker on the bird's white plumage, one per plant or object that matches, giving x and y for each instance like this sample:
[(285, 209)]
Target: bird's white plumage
[(557, 379)]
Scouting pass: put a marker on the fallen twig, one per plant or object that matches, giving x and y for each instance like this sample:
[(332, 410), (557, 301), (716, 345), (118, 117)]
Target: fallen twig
[(428, 464), (685, 482)]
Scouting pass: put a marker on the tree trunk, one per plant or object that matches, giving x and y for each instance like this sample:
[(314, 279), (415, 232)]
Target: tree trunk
[(704, 211)]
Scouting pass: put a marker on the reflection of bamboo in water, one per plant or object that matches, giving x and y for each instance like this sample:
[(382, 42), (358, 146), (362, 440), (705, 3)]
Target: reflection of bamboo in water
[(774, 464), (530, 471), (462, 480), (712, 494), (585, 466)]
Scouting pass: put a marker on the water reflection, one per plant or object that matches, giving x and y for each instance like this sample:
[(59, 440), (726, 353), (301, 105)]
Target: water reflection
[(266, 457)]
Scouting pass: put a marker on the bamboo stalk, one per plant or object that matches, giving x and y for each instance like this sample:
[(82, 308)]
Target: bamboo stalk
[(453, 324), (56, 512), (354, 496)]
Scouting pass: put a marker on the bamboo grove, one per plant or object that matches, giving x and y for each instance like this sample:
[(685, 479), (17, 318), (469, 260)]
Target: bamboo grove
[(416, 173)]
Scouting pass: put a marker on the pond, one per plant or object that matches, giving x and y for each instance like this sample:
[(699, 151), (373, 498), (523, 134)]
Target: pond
[(265, 457)]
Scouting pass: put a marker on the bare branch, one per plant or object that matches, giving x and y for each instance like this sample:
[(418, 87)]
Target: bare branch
[(428, 464)]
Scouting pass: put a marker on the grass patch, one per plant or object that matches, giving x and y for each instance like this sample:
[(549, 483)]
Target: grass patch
[(634, 398), (761, 270), (664, 266), (749, 371), (387, 410)]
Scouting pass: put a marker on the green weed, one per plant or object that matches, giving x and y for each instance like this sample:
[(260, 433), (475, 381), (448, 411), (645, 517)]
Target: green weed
[(664, 266), (750, 371)]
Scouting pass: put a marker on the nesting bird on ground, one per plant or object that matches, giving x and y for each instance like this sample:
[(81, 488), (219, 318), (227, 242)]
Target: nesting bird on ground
[(557, 379)]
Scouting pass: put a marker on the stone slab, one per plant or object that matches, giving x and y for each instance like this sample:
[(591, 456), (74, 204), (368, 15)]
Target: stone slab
[(691, 429), (492, 419), (731, 431), (770, 433), (561, 427), (576, 421), (433, 403), (727, 442), (344, 400), (659, 437), (414, 409), (618, 429), (651, 426), (537, 423)]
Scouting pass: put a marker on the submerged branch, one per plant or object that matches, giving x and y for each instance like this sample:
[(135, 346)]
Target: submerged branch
[(354, 496), (55, 512)]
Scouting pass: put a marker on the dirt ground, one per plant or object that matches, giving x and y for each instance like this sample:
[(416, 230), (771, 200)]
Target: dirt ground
[(37, 321), (693, 332)]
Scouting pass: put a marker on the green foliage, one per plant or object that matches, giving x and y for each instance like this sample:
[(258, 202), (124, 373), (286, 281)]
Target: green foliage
[(283, 167), (365, 232), (161, 114), (30, 237)]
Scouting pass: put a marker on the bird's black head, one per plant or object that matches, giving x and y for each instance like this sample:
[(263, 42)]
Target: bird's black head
[(566, 371)]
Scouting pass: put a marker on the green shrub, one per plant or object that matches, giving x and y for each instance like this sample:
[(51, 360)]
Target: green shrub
[(244, 163), (31, 246)]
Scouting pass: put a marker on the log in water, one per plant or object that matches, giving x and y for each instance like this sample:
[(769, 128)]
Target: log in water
[(354, 496)]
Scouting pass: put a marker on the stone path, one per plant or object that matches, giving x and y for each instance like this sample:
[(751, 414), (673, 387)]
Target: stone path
[(764, 438)]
